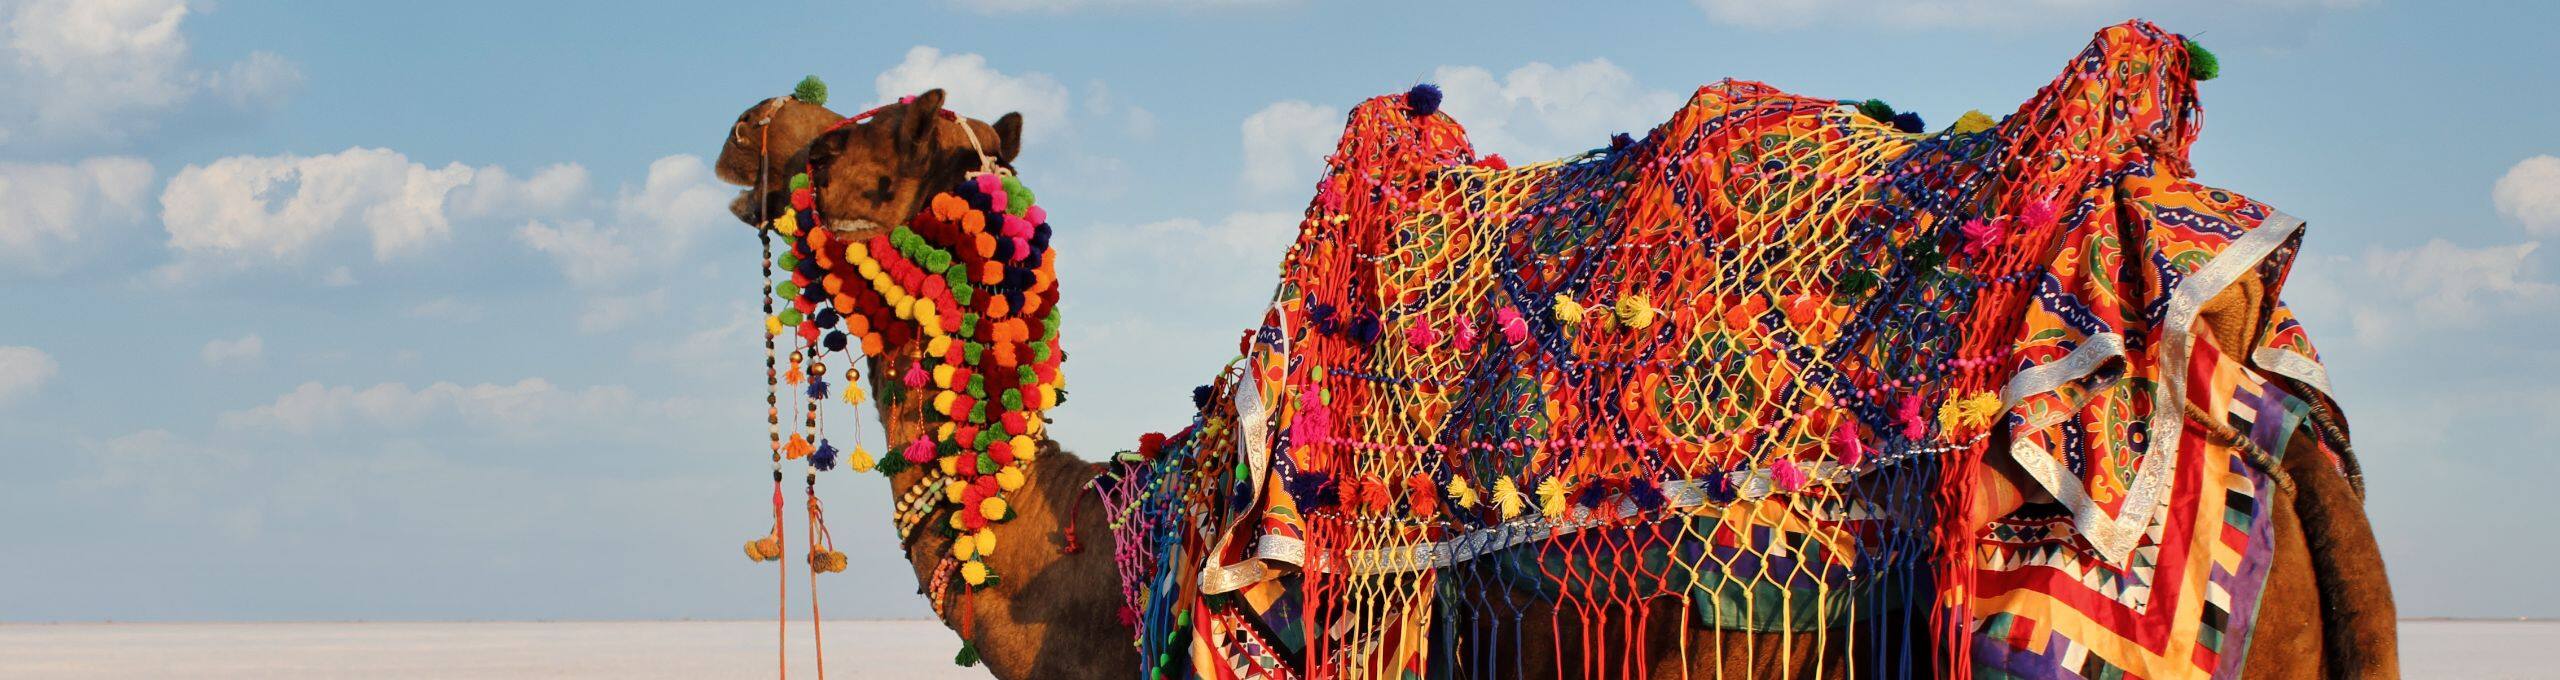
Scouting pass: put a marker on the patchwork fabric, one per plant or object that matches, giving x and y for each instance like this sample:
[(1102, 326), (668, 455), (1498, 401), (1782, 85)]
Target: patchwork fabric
[(1748, 366)]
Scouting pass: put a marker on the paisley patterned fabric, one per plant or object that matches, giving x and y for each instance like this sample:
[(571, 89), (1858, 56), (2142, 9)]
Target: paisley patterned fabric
[(1749, 364)]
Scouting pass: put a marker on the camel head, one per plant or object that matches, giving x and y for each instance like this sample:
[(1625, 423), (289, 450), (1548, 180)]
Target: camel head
[(875, 173), (766, 138)]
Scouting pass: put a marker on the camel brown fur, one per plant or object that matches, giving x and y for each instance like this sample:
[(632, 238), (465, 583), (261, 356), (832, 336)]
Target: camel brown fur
[(2325, 612)]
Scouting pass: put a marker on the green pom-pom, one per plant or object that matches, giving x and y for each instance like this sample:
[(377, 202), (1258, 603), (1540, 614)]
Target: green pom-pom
[(1017, 198), (799, 180), (789, 317), (1876, 109), (2201, 64), (968, 656), (811, 90), (786, 290), (788, 261)]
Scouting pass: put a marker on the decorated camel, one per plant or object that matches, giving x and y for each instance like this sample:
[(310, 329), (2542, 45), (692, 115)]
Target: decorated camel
[(1785, 387)]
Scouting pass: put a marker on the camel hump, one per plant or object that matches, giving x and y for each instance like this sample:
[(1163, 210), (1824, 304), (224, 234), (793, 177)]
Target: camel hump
[(2130, 92)]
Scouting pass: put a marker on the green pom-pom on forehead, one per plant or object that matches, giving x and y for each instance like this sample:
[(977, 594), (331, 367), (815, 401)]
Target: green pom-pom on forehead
[(799, 181), (1017, 198), (2201, 63), (811, 90)]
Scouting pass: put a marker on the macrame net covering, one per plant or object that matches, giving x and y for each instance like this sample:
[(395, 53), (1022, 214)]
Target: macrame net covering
[(1739, 373)]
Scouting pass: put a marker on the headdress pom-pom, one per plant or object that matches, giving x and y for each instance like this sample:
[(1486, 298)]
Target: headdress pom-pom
[(1423, 100)]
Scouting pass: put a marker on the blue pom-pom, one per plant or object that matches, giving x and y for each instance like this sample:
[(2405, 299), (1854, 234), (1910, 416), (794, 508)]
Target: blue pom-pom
[(1423, 100), (1365, 330), (1621, 141), (818, 388), (835, 341), (1908, 122), (1200, 397), (827, 318), (825, 457), (1593, 494), (1719, 487)]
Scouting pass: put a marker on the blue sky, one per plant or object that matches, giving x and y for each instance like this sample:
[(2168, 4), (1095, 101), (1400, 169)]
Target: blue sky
[(433, 311)]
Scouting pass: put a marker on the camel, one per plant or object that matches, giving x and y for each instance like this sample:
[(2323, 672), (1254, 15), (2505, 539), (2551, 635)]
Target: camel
[(2326, 611)]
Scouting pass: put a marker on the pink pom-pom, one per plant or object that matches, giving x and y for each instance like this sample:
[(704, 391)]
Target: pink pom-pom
[(1017, 227), (1845, 444), (1037, 215), (2040, 214), (1787, 475), (1423, 335), (916, 377), (1914, 425), (993, 187), (1466, 337)]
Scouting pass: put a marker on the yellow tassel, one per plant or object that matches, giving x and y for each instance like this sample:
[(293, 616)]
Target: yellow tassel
[(861, 460), (1980, 409), (1551, 498), (1465, 494), (853, 394), (1507, 495), (974, 572), (1635, 311), (1949, 414), (1972, 122), (1567, 310), (992, 509)]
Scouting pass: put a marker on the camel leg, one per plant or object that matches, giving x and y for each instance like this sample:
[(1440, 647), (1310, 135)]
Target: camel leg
[(2359, 622)]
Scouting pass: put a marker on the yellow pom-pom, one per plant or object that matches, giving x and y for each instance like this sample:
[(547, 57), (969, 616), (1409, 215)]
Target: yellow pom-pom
[(1567, 310), (942, 373), (1635, 311), (958, 524), (1465, 494), (1009, 478), (964, 549), (974, 573), (1507, 495), (1551, 498), (861, 460), (937, 347), (1024, 446), (947, 431), (951, 492), (942, 402), (1972, 122), (1980, 409), (951, 465), (986, 541), (992, 508), (788, 224), (773, 325)]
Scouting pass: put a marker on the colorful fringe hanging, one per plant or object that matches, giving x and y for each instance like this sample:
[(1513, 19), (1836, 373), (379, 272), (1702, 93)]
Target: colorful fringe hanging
[(1741, 373)]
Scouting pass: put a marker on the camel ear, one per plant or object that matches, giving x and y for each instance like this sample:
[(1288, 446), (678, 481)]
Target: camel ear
[(920, 113), (1008, 137)]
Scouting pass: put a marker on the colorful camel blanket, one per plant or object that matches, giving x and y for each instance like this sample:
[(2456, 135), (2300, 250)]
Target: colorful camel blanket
[(1749, 364)]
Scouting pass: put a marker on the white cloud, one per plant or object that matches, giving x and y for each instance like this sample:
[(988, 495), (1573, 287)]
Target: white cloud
[(1225, 270), (1285, 144), (1064, 6), (314, 407), (976, 90), (1930, 14), (47, 209), (246, 210), (2530, 194), (246, 350), (22, 371), (1540, 111), (108, 71), (2452, 280), (654, 225), (2391, 295)]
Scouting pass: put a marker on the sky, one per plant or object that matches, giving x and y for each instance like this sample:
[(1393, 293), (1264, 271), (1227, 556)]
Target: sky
[(433, 311)]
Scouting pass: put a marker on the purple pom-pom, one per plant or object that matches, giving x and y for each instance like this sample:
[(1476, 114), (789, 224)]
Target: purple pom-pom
[(1644, 493), (835, 341), (1365, 330), (1313, 490), (818, 388), (1720, 487), (825, 457), (1593, 494), (1621, 141), (1423, 100), (1909, 122), (1200, 397)]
